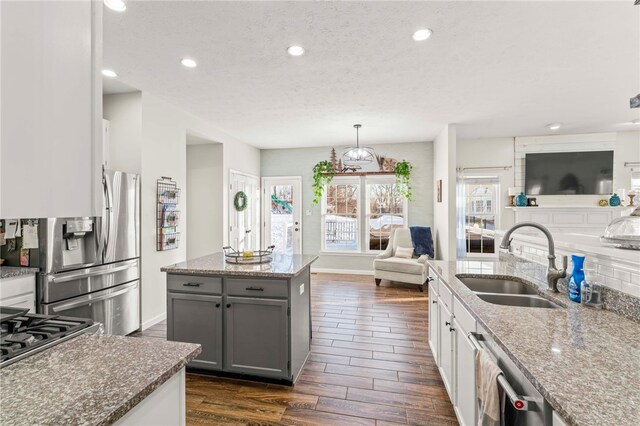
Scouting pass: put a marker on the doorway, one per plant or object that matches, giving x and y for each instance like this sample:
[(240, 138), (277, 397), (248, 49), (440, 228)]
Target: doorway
[(282, 212), (244, 211)]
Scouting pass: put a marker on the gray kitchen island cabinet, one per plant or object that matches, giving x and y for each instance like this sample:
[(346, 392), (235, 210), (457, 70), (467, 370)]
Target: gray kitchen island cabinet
[(251, 320)]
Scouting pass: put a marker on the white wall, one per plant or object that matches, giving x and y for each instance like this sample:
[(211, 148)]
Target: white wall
[(299, 162), (162, 149), (124, 111), (490, 153), (444, 168), (205, 216)]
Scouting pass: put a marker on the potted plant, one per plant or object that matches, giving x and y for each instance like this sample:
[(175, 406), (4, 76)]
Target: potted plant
[(403, 176), (322, 175)]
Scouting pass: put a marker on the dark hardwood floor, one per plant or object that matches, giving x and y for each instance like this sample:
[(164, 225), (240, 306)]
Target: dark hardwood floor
[(370, 364)]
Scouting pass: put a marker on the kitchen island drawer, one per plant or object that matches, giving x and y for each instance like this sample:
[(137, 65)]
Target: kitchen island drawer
[(194, 284), (256, 287)]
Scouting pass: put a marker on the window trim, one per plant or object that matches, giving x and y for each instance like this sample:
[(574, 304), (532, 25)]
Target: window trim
[(341, 180)]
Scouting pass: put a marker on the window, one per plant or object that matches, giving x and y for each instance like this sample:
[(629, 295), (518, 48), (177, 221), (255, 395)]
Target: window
[(340, 221), (385, 210), (480, 196)]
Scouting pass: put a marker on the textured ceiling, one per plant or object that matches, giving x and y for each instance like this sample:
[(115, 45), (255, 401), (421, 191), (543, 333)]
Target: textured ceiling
[(494, 68)]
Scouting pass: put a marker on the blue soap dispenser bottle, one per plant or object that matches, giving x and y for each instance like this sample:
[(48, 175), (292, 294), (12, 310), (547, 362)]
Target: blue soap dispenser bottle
[(577, 277)]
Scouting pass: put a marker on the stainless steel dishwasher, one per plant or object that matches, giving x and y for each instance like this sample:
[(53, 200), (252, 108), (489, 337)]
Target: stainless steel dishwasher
[(524, 406)]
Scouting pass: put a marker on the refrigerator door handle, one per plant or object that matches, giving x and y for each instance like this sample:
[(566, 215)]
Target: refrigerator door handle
[(102, 236), (85, 300), (109, 214), (95, 273)]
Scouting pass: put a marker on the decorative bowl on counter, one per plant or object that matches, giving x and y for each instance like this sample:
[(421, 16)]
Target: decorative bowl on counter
[(624, 232), (248, 257)]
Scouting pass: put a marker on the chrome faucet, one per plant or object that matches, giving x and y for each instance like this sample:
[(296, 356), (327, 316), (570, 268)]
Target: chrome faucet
[(553, 273)]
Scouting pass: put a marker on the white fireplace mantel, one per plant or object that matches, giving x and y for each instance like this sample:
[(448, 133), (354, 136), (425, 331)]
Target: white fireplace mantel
[(590, 220)]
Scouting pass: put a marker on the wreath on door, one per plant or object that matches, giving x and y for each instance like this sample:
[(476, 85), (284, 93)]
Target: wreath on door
[(240, 201)]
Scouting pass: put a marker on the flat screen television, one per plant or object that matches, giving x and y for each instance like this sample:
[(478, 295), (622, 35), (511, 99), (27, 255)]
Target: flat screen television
[(569, 173)]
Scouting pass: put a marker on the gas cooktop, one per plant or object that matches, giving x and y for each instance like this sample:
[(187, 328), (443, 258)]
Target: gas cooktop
[(23, 334)]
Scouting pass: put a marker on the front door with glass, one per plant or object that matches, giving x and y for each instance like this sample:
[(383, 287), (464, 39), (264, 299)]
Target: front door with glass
[(282, 213)]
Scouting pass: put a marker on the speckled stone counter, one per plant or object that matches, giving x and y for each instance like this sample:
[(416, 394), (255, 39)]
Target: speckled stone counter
[(585, 362), (88, 380), (282, 266), (16, 271)]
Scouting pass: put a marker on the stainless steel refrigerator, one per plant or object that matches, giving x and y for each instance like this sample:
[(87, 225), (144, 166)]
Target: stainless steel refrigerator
[(90, 266)]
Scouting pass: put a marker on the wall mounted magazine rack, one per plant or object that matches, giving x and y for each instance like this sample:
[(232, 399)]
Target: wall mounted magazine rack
[(167, 214)]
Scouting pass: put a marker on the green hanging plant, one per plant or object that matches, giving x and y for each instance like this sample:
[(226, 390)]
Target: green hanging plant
[(403, 175), (322, 175)]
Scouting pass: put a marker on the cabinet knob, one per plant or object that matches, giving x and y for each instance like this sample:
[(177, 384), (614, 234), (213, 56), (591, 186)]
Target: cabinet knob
[(297, 229), (429, 279), (435, 302), (447, 323), (217, 305), (228, 305), (191, 284), (452, 329)]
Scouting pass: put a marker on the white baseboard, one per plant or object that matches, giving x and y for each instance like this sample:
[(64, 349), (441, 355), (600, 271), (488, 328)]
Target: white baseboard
[(341, 271), (153, 321)]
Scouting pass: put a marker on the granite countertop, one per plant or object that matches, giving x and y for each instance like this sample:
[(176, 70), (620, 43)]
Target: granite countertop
[(282, 266), (585, 362), (88, 380), (16, 271)]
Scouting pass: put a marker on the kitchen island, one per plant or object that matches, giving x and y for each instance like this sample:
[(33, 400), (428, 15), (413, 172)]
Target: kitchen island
[(251, 320), (98, 380)]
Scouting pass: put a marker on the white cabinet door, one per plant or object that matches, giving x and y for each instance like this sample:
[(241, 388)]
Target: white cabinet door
[(446, 348), (434, 326), (465, 377), (51, 108)]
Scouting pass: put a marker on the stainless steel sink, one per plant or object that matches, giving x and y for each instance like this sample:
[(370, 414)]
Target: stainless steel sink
[(495, 285), (527, 301)]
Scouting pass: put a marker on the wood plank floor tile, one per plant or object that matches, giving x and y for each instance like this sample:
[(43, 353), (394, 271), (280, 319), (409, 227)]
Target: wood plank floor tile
[(321, 389), (386, 365), (429, 418), (331, 350), (337, 379), (362, 409), (366, 327), (332, 336), (315, 418), (433, 392), (391, 398), (383, 341), (349, 370), (393, 356), (345, 331), (363, 346), (333, 359)]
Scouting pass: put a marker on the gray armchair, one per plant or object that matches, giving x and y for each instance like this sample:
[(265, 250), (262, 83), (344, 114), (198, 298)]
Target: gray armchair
[(387, 266)]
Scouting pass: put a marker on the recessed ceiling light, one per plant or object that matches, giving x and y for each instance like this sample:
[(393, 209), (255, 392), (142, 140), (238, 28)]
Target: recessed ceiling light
[(189, 63), (422, 34), (109, 73), (117, 5), (295, 50), (554, 126)]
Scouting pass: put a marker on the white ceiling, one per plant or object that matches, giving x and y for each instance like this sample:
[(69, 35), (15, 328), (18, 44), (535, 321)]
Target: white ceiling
[(494, 68)]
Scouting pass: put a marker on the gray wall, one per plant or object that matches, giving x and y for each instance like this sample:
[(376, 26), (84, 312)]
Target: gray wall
[(300, 161)]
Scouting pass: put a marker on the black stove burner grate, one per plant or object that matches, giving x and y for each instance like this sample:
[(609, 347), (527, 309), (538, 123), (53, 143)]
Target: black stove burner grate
[(25, 333)]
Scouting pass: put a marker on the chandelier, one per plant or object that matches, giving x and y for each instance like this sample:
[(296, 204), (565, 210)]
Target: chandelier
[(356, 156)]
